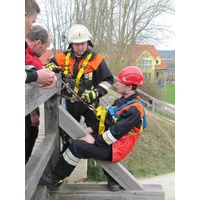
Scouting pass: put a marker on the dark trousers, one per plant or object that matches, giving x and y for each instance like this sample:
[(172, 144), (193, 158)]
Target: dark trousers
[(31, 134), (78, 109), (83, 150)]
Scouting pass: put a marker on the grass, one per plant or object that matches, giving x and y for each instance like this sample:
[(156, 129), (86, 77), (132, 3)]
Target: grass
[(168, 93), (154, 153)]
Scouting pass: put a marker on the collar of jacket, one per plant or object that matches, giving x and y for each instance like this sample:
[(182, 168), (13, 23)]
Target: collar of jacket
[(82, 56), (123, 100)]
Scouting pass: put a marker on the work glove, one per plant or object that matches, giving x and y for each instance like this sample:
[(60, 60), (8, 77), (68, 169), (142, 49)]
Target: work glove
[(53, 67), (89, 96)]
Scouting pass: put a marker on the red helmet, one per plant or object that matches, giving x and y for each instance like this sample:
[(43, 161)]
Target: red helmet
[(131, 75)]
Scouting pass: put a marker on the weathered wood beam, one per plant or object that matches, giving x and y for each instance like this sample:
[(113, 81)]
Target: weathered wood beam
[(52, 125), (47, 153), (100, 191), (42, 193), (34, 96), (37, 164)]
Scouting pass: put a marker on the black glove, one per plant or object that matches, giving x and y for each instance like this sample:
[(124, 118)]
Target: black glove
[(53, 67)]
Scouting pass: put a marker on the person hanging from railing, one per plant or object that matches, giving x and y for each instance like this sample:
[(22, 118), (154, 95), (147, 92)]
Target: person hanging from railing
[(113, 138)]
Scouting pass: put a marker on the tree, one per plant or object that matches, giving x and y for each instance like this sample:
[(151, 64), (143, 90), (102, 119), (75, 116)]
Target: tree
[(56, 16), (116, 25)]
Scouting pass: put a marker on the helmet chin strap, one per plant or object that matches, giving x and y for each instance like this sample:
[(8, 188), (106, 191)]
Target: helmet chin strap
[(129, 91)]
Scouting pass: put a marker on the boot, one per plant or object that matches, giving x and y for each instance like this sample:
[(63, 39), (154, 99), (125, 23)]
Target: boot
[(51, 180), (113, 185)]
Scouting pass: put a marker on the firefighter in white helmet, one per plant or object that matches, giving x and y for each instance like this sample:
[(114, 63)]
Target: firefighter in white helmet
[(85, 71), (87, 74)]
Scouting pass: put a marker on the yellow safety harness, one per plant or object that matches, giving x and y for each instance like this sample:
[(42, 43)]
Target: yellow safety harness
[(101, 116), (66, 69), (80, 73)]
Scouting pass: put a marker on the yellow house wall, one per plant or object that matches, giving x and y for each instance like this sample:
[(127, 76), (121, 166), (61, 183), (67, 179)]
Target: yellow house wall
[(152, 71), (150, 57), (160, 75)]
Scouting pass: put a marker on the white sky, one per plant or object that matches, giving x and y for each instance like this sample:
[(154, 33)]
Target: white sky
[(168, 20)]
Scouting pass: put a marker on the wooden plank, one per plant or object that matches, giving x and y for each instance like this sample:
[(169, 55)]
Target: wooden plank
[(116, 170), (121, 175), (37, 164), (41, 193), (100, 191), (34, 96)]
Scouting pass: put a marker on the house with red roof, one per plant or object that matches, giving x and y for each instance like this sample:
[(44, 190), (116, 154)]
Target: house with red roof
[(147, 58)]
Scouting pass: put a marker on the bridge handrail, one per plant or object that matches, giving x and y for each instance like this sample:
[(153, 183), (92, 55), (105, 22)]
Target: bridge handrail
[(47, 152)]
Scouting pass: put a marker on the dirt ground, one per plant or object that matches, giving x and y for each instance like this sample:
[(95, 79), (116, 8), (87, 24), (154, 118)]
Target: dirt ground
[(167, 181)]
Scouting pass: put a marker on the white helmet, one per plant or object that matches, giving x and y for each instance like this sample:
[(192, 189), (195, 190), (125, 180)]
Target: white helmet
[(78, 33)]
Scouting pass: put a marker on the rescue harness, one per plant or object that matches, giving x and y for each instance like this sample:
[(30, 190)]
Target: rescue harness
[(101, 115), (80, 73)]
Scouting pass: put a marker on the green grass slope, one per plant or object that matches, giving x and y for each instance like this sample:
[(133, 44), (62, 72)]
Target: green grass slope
[(154, 153)]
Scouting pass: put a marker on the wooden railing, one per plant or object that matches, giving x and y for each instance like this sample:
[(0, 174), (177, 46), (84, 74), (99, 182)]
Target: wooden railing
[(47, 153)]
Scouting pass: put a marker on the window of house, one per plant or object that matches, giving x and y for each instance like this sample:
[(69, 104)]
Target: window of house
[(157, 62), (145, 64)]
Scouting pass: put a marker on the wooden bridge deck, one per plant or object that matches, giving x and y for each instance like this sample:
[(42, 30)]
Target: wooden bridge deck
[(100, 191)]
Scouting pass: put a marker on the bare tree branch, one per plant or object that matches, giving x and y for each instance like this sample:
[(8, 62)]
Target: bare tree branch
[(116, 25)]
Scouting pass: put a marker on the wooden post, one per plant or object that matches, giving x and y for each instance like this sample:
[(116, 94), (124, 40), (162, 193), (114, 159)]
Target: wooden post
[(52, 125), (153, 105)]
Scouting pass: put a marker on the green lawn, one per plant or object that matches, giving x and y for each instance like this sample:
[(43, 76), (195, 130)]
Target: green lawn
[(168, 93)]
